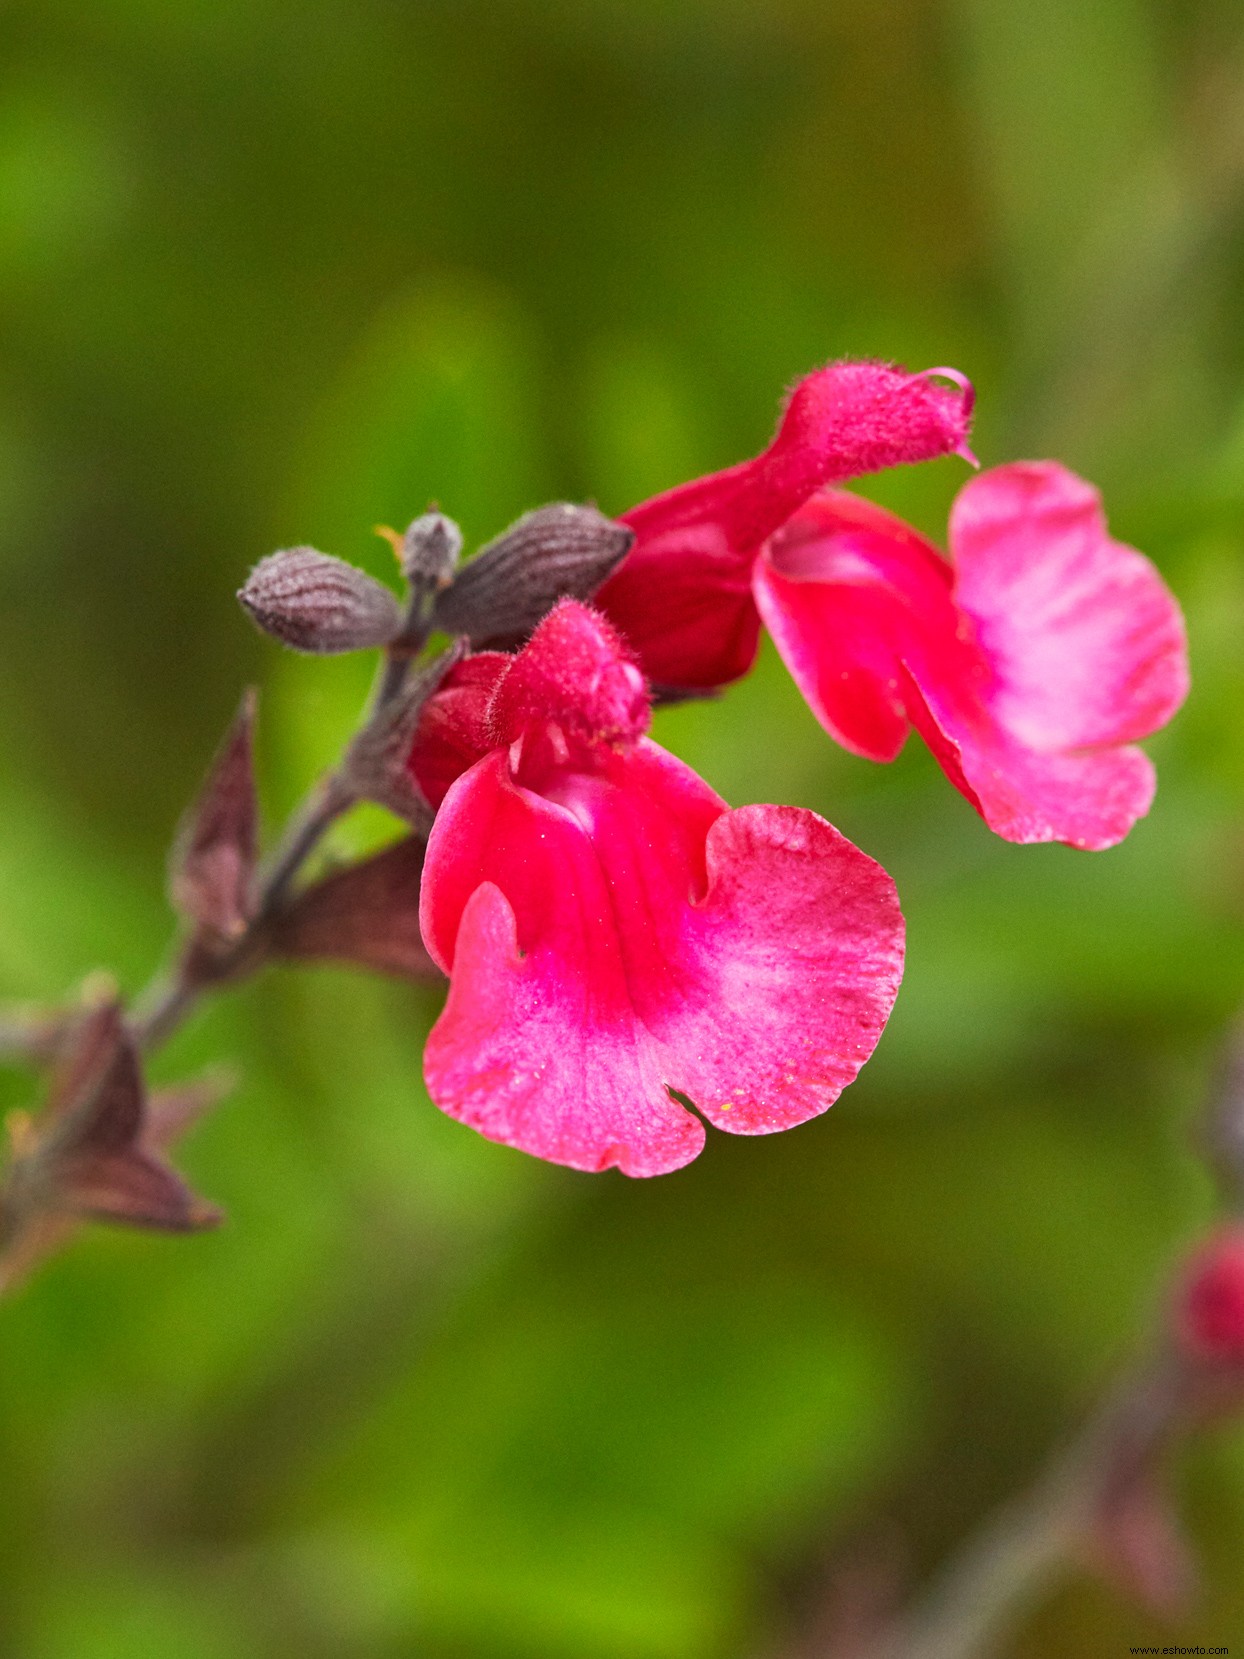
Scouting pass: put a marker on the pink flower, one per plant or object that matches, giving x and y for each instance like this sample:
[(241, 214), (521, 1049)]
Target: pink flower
[(1030, 666), (1209, 1312), (683, 595), (613, 931)]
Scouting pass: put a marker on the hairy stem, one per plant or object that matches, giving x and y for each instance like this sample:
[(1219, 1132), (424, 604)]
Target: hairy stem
[(213, 954)]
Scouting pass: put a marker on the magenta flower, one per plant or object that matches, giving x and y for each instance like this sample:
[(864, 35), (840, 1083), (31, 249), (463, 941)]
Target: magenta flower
[(613, 932), (1031, 666), (1209, 1309)]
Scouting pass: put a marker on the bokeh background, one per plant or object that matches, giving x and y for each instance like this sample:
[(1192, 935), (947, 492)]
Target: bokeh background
[(272, 272)]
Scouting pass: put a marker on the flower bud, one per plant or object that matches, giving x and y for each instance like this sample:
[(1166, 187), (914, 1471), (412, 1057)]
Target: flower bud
[(556, 552), (315, 603), (1209, 1313), (429, 551)]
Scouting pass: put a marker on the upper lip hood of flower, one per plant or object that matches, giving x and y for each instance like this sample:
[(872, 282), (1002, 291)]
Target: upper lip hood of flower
[(576, 673), (682, 596)]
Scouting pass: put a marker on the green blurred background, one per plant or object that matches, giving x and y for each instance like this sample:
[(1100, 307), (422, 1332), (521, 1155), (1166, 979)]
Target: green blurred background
[(271, 272)]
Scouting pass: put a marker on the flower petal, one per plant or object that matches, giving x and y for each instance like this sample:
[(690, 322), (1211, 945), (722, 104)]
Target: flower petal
[(575, 671), (540, 1045), (682, 595), (633, 936), (454, 730), (1027, 669), (543, 1053), (1089, 799), (846, 589), (685, 606), (1086, 640), (798, 946)]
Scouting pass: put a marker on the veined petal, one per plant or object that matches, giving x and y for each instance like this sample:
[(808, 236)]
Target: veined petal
[(542, 1051), (643, 817), (1086, 640), (682, 595), (799, 951), (633, 936), (540, 1044)]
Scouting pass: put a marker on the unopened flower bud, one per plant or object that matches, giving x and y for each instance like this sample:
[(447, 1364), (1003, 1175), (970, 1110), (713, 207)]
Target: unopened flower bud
[(557, 552), (430, 550), (315, 603), (1209, 1314)]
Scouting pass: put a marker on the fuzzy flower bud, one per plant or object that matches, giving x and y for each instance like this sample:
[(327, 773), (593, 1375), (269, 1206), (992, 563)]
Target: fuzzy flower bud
[(430, 550), (322, 605), (557, 552)]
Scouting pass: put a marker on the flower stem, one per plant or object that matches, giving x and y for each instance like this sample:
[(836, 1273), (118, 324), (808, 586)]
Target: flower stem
[(1025, 1547), (174, 994), (983, 1591)]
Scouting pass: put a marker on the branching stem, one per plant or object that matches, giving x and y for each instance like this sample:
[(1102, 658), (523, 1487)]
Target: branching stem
[(174, 994), (205, 961)]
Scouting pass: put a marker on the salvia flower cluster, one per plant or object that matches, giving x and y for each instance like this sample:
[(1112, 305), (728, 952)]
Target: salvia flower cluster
[(628, 958)]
